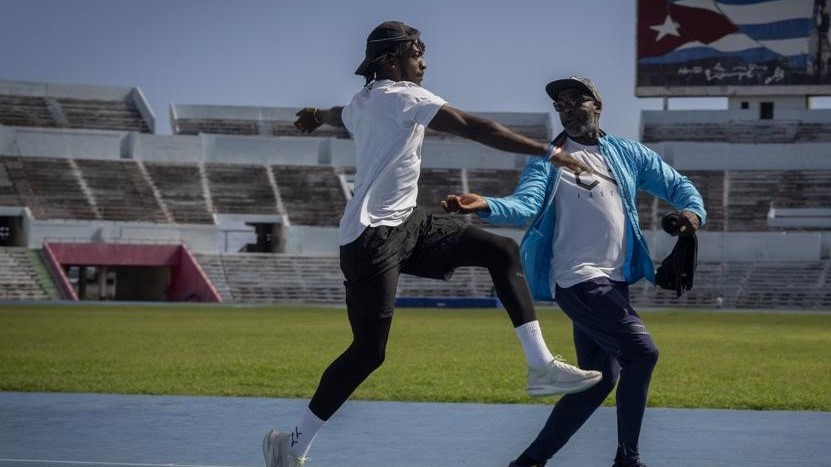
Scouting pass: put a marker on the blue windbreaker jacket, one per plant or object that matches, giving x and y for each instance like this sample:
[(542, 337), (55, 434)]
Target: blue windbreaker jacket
[(634, 166)]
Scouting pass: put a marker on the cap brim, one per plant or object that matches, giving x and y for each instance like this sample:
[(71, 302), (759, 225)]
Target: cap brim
[(363, 67), (554, 88)]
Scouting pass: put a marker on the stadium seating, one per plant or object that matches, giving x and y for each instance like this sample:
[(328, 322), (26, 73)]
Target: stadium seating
[(181, 189), (739, 131), (18, 279), (263, 278), (55, 189), (312, 195), (241, 188), (25, 111), (435, 184), (102, 115), (120, 191)]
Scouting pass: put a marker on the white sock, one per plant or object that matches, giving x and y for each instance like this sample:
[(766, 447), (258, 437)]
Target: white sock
[(304, 433), (533, 344)]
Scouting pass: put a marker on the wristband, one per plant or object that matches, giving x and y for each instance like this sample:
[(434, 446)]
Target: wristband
[(314, 116)]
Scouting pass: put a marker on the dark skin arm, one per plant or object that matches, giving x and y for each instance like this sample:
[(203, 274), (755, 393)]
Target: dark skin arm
[(490, 133), (454, 121), (309, 119)]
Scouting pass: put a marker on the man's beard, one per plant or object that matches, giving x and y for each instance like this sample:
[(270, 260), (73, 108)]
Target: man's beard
[(581, 126)]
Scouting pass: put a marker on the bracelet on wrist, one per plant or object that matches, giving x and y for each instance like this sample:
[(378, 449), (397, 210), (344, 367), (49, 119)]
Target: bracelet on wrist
[(316, 118)]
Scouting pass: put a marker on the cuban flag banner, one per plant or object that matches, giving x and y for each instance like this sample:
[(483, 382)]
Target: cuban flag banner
[(699, 47)]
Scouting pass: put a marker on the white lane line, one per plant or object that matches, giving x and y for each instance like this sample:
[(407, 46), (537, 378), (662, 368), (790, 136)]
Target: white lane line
[(125, 464)]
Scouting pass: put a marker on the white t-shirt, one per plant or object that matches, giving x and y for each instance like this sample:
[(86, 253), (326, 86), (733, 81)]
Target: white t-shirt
[(387, 120), (590, 228)]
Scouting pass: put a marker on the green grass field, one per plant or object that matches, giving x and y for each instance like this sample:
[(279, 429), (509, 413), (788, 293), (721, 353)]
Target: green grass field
[(714, 360)]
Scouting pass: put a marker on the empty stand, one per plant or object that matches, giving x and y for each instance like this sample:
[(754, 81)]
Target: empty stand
[(52, 105), (102, 115), (739, 131), (312, 195), (241, 189), (435, 184), (181, 189), (120, 190), (804, 189), (25, 111), (56, 189), (264, 277), (13, 186), (18, 277), (751, 194), (195, 126)]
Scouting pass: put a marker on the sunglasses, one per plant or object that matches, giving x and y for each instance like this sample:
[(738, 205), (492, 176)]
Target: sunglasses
[(561, 104)]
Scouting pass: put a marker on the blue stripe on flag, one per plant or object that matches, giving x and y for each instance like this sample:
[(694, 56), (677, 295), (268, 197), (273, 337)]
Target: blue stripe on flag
[(755, 55), (788, 29)]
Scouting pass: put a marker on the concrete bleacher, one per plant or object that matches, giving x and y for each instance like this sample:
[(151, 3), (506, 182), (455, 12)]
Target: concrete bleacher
[(312, 195), (435, 184), (25, 111), (784, 284), (55, 188), (102, 115), (804, 189), (181, 189), (241, 188), (750, 194), (48, 105), (18, 277), (11, 176), (740, 130), (241, 120), (264, 278), (120, 191)]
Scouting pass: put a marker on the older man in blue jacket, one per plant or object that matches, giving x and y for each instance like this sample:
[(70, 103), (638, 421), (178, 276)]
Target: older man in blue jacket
[(583, 248)]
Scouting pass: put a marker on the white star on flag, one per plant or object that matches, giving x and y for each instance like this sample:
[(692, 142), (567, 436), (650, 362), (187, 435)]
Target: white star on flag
[(668, 28)]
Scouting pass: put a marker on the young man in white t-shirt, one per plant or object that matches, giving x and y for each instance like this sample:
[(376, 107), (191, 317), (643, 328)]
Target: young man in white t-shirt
[(383, 233), (584, 248)]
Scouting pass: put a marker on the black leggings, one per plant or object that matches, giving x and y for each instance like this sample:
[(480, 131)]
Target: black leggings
[(477, 247)]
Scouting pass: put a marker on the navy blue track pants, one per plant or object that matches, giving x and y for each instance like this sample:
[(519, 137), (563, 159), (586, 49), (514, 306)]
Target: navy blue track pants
[(610, 337)]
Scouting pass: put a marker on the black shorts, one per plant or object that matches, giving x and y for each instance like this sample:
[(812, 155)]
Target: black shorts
[(421, 246)]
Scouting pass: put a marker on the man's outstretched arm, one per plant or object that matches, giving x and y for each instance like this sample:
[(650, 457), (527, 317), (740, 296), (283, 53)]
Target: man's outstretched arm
[(490, 133), (310, 118)]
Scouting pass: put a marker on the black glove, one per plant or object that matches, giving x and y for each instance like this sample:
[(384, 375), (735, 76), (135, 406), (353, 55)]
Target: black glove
[(677, 271)]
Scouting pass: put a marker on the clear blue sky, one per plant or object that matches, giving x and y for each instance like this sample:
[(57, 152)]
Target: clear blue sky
[(481, 55)]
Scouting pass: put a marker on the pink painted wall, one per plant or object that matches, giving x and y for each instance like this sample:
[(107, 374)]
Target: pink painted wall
[(188, 279), (114, 254), (189, 282), (55, 269)]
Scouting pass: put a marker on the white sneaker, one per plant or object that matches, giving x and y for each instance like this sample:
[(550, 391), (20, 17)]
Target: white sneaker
[(559, 377), (277, 453)]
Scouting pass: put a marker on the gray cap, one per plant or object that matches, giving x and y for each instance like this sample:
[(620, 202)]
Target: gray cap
[(572, 82)]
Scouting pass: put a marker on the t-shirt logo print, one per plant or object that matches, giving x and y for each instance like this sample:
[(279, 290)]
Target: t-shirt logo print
[(587, 184)]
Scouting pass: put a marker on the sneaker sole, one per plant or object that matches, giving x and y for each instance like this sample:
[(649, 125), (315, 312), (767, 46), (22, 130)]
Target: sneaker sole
[(542, 391)]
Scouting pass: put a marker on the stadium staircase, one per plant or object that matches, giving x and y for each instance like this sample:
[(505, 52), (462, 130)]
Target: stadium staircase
[(21, 276)]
